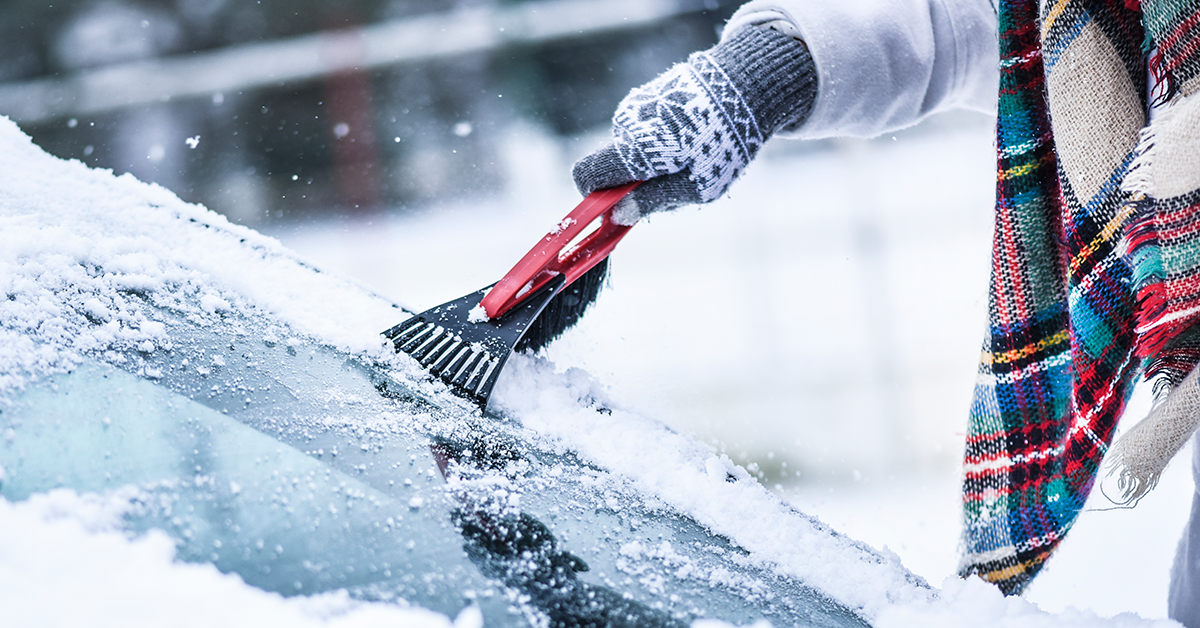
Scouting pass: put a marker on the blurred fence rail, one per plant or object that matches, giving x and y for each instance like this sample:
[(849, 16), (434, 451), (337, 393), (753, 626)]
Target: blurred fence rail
[(313, 56), (289, 109)]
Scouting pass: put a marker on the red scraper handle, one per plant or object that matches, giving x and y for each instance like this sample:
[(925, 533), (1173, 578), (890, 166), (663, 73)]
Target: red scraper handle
[(554, 255)]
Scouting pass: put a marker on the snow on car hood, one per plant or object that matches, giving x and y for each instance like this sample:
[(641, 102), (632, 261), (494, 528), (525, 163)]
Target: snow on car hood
[(80, 249)]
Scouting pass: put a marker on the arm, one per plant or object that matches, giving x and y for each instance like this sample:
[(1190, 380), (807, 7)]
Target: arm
[(883, 65), (804, 68)]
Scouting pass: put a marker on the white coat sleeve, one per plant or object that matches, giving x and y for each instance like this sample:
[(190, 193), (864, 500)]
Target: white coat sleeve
[(883, 65)]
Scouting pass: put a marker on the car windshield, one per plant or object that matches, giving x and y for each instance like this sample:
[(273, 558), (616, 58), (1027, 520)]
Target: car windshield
[(303, 469), (244, 403)]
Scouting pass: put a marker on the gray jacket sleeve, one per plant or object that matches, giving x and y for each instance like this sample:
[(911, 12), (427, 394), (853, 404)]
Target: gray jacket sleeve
[(883, 65)]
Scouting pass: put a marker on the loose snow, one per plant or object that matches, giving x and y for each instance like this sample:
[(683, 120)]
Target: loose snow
[(81, 248), (477, 315), (60, 550)]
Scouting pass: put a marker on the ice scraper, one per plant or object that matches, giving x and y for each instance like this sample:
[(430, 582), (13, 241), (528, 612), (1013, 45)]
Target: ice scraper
[(466, 342)]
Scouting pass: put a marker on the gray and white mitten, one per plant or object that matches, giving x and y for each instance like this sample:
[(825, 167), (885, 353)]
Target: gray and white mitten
[(691, 132)]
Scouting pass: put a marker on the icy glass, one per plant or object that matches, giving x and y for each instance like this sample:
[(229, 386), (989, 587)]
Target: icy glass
[(305, 470)]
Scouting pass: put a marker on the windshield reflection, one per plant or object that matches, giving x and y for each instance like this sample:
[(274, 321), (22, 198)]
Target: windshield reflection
[(303, 470), (521, 552)]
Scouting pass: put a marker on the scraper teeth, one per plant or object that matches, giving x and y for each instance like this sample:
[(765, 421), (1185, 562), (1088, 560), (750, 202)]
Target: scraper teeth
[(480, 373), (424, 341), (449, 358), (446, 356), (468, 356), (400, 333), (433, 350), (462, 362), (436, 360), (487, 376), (413, 336), (467, 375)]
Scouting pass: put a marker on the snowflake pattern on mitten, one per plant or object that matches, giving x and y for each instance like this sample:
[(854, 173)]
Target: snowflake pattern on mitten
[(691, 117)]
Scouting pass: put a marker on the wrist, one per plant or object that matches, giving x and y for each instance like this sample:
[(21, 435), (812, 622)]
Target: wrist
[(774, 73)]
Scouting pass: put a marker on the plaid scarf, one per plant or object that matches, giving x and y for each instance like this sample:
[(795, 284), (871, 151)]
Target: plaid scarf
[(1090, 281)]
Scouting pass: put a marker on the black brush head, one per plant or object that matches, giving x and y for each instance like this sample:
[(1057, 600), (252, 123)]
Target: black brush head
[(565, 309)]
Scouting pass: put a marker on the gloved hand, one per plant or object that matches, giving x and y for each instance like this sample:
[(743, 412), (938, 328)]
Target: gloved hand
[(690, 132)]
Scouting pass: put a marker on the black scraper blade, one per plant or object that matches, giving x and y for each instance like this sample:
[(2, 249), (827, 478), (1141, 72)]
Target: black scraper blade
[(468, 355)]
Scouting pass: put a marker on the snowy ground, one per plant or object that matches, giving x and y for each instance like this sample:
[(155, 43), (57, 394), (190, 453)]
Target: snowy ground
[(821, 326)]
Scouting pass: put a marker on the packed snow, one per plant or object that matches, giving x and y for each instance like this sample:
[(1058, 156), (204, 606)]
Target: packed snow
[(80, 247)]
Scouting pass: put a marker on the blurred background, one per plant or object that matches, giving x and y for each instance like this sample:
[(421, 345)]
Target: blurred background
[(820, 325), (306, 107)]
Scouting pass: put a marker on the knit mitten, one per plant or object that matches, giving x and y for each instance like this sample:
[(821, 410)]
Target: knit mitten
[(690, 132)]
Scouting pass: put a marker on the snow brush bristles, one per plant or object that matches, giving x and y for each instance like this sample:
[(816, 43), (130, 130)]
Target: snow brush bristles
[(565, 309), (466, 342)]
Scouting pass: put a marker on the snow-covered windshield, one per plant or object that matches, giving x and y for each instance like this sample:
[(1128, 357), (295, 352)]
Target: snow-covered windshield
[(286, 466), (245, 404)]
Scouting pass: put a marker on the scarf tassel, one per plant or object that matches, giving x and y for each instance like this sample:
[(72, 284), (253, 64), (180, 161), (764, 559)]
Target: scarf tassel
[(1137, 459)]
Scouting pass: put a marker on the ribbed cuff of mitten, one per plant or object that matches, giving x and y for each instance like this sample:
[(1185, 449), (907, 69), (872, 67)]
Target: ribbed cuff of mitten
[(774, 73)]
